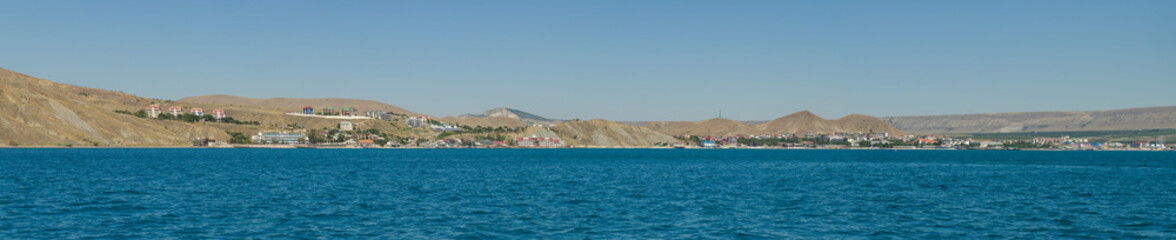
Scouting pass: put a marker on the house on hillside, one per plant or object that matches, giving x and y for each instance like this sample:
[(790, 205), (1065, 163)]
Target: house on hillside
[(218, 114), (307, 110), (416, 121), (176, 111), (199, 112), (153, 111), (379, 115), (346, 126)]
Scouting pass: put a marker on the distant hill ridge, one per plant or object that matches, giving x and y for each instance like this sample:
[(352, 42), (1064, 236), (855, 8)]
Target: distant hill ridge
[(1122, 119), (798, 123)]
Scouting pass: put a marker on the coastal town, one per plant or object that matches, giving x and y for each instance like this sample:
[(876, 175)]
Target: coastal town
[(349, 133)]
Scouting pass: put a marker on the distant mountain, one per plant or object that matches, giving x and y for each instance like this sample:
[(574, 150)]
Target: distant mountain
[(512, 113), (296, 104), (1124, 119), (797, 123)]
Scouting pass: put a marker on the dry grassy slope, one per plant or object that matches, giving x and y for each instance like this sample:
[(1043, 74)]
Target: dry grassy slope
[(296, 104), (37, 112), (796, 123), (1124, 119), (602, 133)]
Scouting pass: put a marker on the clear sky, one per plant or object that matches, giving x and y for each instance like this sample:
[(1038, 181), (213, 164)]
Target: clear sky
[(617, 60)]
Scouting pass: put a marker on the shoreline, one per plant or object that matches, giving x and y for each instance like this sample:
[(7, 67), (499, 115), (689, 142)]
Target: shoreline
[(588, 147)]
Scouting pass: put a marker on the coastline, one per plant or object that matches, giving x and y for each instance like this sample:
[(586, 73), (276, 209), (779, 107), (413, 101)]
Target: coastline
[(583, 147)]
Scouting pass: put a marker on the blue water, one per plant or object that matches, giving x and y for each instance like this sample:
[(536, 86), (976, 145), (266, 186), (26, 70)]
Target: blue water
[(596, 194)]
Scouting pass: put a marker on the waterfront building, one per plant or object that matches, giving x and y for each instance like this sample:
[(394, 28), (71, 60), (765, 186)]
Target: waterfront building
[(279, 138), (366, 143), (535, 141), (153, 111)]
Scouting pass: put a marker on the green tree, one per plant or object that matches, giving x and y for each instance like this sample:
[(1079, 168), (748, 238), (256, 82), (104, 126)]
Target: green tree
[(237, 137)]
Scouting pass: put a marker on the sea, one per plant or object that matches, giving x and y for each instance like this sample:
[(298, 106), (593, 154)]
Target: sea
[(585, 194)]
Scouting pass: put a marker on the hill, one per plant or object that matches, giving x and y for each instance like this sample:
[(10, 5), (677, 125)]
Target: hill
[(484, 121), (501, 117), (797, 123), (1123, 119), (38, 112), (295, 104), (511, 113), (601, 133)]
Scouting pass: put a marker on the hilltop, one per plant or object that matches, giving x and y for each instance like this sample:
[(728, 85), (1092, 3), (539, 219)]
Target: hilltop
[(799, 123), (501, 117), (295, 104), (511, 113), (1123, 119)]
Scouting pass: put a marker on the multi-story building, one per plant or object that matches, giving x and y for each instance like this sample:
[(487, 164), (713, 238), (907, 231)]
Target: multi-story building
[(176, 111), (416, 121), (278, 138), (535, 141), (346, 126), (218, 114), (153, 111), (307, 110), (199, 112)]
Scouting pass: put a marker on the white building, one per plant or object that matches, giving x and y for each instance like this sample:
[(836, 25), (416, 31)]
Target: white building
[(346, 126), (416, 121), (153, 111)]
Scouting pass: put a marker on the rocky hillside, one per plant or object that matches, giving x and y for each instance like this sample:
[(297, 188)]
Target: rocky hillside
[(602, 133), (296, 104), (797, 123), (1124, 119)]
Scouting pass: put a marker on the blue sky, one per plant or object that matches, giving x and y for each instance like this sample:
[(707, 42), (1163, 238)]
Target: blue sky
[(618, 60)]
